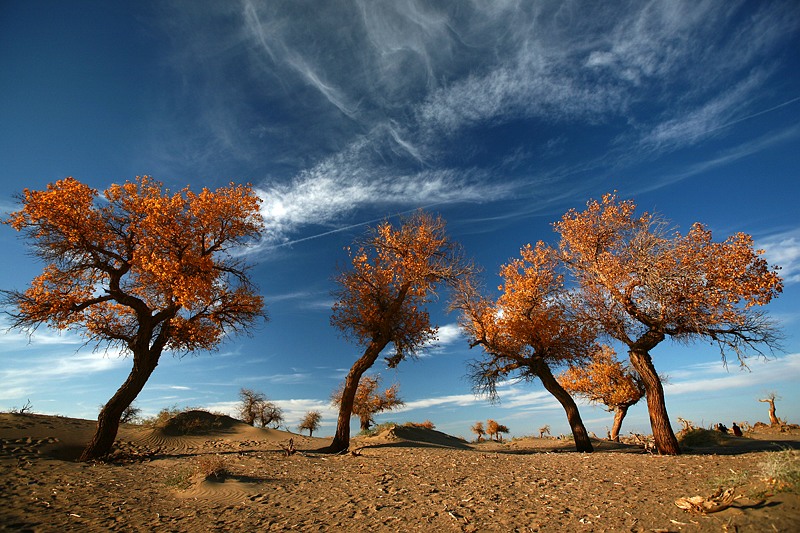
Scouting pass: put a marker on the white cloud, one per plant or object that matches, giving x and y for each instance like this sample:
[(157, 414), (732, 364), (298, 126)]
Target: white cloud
[(709, 377), (783, 250)]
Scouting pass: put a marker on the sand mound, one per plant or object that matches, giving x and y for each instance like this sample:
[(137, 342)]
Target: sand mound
[(197, 422), (414, 436)]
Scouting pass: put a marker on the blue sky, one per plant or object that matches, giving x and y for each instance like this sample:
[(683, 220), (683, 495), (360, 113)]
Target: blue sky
[(500, 116)]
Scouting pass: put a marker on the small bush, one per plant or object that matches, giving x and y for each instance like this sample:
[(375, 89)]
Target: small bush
[(212, 466), (424, 425), (701, 438)]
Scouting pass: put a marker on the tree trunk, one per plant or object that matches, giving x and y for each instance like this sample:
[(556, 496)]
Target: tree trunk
[(579, 434), (365, 423), (619, 414), (341, 439), (773, 418), (665, 440), (110, 414)]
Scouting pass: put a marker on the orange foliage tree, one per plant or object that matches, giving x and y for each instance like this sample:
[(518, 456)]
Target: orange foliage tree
[(495, 430), (369, 401), (604, 379), (381, 300), (311, 422), (639, 283), (143, 270), (478, 429), (527, 330)]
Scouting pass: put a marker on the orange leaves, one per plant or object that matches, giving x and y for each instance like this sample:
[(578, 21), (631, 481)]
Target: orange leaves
[(368, 400), (603, 379), (635, 275), (395, 271), (143, 257)]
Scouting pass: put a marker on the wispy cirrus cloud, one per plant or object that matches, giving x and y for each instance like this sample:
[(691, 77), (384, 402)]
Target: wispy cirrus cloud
[(381, 116), (707, 377), (783, 250)]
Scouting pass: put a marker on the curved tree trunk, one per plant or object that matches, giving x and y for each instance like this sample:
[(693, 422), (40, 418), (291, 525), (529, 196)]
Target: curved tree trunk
[(665, 440), (341, 439), (110, 414), (773, 418), (582, 441), (619, 414)]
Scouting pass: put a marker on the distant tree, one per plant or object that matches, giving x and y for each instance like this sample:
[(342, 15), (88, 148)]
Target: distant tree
[(270, 415), (603, 379), (499, 430), (310, 422), (491, 429), (544, 430), (130, 415), (639, 284), (368, 400), (479, 430), (381, 300), (770, 399), (254, 407), (527, 331), (142, 269)]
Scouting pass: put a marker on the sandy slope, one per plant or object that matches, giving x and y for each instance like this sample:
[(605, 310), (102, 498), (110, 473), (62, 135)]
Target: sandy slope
[(405, 479)]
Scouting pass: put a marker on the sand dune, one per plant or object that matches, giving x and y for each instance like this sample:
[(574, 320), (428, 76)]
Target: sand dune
[(403, 479)]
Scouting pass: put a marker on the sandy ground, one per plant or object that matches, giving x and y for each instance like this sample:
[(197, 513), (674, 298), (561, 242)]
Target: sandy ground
[(407, 479)]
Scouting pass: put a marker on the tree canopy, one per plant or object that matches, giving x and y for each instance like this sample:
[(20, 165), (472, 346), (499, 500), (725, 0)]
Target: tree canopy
[(143, 269), (638, 283), (528, 330), (382, 298)]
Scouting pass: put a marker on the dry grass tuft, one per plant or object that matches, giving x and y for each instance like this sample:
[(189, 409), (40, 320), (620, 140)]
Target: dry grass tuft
[(214, 466), (782, 470)]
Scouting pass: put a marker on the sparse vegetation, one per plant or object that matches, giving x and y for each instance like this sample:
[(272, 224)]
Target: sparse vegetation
[(25, 409), (255, 408)]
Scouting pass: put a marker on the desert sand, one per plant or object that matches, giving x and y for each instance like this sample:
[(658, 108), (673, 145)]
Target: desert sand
[(403, 479)]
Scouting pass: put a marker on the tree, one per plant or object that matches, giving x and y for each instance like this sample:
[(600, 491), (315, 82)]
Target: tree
[(368, 400), (640, 284), (544, 430), (130, 415), (382, 299), (528, 329), (607, 381), (491, 429), (255, 407), (499, 430), (310, 422), (478, 429), (143, 270), (770, 399)]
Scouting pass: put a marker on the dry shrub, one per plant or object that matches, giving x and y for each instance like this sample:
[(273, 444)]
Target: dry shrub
[(782, 470), (424, 425), (212, 466), (702, 438)]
